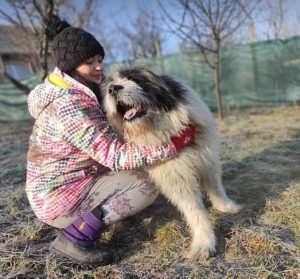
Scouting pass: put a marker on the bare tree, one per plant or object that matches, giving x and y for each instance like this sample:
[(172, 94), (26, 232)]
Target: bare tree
[(207, 26), (144, 36), (105, 32), (275, 16), (30, 16)]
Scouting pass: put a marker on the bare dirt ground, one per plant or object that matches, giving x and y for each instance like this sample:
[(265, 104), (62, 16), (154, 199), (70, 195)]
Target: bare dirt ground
[(261, 163)]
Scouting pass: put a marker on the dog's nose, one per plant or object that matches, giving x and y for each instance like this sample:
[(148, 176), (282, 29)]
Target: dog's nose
[(114, 88)]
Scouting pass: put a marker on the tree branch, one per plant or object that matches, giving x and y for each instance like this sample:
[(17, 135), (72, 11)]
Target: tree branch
[(24, 88)]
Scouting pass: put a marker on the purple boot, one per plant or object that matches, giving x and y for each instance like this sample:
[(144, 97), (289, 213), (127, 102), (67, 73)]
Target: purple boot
[(85, 230), (77, 240)]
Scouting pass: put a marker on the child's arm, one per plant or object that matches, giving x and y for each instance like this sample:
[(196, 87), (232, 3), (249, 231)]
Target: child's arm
[(84, 126)]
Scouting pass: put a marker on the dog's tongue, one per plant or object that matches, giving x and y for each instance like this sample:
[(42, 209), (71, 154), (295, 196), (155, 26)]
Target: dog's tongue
[(130, 114)]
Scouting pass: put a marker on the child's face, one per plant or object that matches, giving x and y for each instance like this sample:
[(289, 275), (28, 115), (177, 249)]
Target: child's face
[(91, 69)]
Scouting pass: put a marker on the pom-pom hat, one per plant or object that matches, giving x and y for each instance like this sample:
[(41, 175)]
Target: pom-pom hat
[(71, 46)]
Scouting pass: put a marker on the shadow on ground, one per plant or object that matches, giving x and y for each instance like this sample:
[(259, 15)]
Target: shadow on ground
[(251, 182), (152, 241)]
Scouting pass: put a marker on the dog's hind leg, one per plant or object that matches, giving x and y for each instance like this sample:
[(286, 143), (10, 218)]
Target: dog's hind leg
[(189, 202), (211, 180), (219, 198)]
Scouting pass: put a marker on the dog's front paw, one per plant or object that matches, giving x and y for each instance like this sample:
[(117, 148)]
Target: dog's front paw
[(201, 253), (228, 206), (202, 248)]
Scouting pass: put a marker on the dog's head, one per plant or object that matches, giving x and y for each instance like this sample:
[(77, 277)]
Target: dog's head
[(138, 99)]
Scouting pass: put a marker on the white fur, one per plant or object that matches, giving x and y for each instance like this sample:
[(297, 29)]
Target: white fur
[(180, 179)]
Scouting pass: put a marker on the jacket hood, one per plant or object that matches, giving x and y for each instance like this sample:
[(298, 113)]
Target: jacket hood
[(42, 95), (54, 86)]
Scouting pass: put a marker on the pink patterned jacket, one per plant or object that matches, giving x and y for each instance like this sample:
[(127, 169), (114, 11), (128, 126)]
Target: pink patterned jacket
[(71, 144)]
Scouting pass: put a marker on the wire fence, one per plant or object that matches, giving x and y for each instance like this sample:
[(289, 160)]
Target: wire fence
[(259, 74)]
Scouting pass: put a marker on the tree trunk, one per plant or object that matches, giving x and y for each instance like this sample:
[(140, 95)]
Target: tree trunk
[(157, 48), (218, 90), (49, 8)]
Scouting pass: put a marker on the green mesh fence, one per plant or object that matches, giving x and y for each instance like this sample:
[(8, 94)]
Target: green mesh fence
[(13, 103), (261, 74)]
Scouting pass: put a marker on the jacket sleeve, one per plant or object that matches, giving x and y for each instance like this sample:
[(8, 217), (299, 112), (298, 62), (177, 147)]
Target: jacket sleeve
[(83, 124)]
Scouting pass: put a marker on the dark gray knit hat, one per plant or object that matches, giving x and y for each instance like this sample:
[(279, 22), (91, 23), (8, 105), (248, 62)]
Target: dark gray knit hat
[(71, 46)]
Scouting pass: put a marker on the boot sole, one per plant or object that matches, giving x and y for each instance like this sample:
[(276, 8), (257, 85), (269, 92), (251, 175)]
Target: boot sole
[(61, 254)]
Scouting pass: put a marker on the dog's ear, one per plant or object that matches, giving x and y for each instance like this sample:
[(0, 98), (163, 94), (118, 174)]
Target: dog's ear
[(155, 86), (175, 89)]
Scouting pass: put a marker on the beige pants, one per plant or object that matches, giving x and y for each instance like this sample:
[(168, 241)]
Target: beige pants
[(117, 194)]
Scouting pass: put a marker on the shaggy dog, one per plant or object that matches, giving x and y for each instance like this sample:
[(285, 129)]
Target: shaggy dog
[(148, 109)]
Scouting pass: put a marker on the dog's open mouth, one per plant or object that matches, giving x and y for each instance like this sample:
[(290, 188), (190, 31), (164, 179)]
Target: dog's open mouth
[(130, 112)]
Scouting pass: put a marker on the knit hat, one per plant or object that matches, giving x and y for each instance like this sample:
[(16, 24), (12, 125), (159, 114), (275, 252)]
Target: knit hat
[(71, 46)]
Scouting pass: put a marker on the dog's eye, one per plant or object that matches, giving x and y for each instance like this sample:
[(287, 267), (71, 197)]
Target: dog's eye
[(134, 79)]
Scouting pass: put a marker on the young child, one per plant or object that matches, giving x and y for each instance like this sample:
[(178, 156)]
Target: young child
[(80, 176)]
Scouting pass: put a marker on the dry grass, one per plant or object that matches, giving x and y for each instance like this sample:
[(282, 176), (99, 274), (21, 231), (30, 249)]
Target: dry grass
[(261, 150)]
